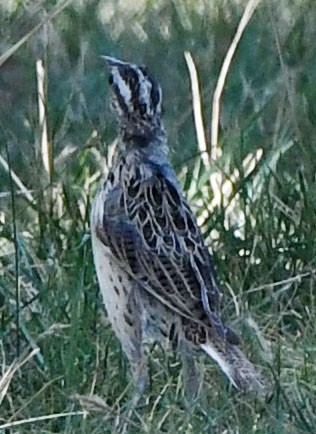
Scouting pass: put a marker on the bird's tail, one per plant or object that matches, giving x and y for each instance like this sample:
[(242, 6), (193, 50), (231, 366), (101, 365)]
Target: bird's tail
[(236, 366)]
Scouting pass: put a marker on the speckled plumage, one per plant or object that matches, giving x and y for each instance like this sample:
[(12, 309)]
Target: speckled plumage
[(155, 272)]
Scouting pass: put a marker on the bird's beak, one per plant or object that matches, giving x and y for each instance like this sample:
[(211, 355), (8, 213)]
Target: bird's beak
[(112, 61)]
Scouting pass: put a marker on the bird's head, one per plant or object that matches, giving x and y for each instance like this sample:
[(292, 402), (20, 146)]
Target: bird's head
[(136, 101)]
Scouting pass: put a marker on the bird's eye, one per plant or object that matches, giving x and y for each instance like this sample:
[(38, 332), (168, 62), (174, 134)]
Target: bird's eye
[(111, 79), (132, 80)]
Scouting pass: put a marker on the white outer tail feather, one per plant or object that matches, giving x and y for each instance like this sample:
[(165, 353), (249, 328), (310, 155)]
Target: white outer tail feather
[(218, 358)]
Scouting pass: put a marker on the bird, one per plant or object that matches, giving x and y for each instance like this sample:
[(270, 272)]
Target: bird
[(154, 269)]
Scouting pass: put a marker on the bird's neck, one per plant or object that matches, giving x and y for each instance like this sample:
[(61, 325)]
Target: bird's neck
[(146, 141), (155, 152)]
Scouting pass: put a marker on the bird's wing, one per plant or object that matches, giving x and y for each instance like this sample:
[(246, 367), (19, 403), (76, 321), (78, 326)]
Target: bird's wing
[(153, 234)]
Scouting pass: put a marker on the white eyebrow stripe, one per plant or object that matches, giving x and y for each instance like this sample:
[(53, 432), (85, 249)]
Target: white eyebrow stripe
[(123, 87), (144, 90), (158, 107)]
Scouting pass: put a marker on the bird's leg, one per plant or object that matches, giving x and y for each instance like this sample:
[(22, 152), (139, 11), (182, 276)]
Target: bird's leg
[(140, 376), (132, 344), (135, 352), (189, 371), (138, 366)]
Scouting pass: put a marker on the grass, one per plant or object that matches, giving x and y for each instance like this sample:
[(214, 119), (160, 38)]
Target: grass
[(62, 368)]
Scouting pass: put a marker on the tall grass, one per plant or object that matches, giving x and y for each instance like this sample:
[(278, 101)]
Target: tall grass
[(62, 368)]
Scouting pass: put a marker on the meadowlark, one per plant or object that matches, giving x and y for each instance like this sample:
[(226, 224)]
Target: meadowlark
[(154, 269)]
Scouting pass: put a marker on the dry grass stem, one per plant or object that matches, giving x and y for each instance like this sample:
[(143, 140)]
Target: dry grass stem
[(248, 12), (9, 373), (46, 150), (197, 110), (25, 191), (8, 53), (288, 281), (41, 419)]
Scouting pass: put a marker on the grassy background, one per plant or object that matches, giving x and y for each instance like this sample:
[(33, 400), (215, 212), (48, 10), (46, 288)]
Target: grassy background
[(262, 231)]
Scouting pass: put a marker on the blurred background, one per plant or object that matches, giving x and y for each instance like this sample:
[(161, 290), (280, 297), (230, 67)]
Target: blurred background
[(57, 136)]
